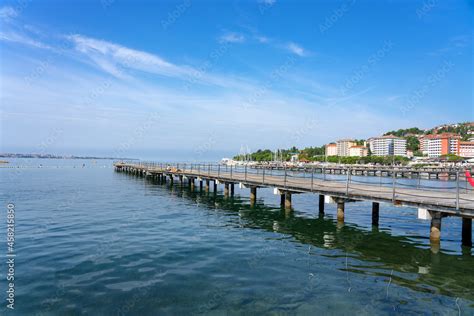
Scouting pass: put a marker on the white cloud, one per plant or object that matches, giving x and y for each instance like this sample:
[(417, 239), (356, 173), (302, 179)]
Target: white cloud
[(15, 37), (114, 58), (262, 39), (118, 60), (296, 49), (232, 38), (8, 13), (267, 2)]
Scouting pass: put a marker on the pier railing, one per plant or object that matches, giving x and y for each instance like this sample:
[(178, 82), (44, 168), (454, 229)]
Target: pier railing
[(308, 180)]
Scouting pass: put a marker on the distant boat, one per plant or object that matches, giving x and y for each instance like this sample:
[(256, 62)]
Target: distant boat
[(4, 161)]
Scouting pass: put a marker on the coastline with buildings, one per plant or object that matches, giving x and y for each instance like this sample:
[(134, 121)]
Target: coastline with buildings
[(448, 143)]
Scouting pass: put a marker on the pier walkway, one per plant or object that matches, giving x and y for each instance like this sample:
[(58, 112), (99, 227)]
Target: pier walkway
[(453, 198)]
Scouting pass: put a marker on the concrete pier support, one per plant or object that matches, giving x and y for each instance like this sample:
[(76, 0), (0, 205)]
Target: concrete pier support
[(226, 189), (287, 200), (375, 213), (340, 211), (207, 186), (232, 189), (435, 229), (467, 232), (253, 195), (321, 204)]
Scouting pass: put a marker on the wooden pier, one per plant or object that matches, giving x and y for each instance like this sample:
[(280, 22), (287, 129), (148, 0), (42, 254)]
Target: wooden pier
[(436, 202), (444, 173)]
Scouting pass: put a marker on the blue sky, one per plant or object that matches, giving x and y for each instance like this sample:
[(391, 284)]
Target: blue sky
[(198, 80)]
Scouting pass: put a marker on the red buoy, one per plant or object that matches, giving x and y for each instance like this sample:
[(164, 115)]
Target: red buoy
[(469, 178)]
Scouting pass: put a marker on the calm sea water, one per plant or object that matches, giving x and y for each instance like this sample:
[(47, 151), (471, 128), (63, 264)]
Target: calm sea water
[(93, 241)]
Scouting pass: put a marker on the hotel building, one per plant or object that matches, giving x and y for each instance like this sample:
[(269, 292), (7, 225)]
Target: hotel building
[(466, 149), (343, 146), (441, 144), (388, 145), (358, 151), (331, 149)]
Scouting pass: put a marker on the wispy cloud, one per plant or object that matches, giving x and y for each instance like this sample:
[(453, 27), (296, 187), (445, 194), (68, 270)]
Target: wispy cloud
[(7, 13), (455, 45), (232, 37), (12, 36), (296, 49), (267, 2), (262, 39), (118, 60)]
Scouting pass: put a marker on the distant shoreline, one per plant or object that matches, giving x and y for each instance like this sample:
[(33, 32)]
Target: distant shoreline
[(48, 156)]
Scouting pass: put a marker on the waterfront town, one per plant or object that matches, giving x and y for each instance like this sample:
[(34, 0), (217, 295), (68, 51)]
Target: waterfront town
[(448, 143)]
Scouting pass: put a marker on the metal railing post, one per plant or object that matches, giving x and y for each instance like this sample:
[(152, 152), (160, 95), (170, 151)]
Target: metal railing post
[(284, 167), (457, 190), (231, 171), (312, 178), (393, 184), (263, 176), (218, 170), (347, 180), (209, 169)]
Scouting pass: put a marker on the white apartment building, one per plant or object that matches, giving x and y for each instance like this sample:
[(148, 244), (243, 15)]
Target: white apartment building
[(343, 146), (388, 146)]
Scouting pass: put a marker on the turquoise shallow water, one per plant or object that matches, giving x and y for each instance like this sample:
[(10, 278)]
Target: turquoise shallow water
[(93, 241)]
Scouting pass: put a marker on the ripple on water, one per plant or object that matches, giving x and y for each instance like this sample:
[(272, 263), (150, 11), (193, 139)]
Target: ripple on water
[(98, 242)]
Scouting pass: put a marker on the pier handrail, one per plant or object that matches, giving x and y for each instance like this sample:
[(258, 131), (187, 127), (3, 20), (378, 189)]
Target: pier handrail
[(306, 178)]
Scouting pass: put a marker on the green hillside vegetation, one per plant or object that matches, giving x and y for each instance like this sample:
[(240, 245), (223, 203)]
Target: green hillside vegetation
[(404, 132)]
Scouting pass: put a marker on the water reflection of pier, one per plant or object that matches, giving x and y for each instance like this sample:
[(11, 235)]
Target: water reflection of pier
[(433, 202), (415, 267)]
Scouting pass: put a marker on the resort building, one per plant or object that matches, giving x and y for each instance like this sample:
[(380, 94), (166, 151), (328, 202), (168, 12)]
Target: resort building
[(343, 146), (441, 144), (358, 151), (466, 149), (388, 146), (331, 149)]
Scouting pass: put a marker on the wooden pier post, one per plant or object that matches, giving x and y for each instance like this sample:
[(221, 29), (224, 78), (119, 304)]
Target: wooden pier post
[(200, 185), (232, 189), (375, 213), (467, 232), (171, 179), (340, 210), (207, 186), (215, 187), (321, 204), (226, 189), (288, 200), (282, 199), (435, 229), (253, 195), (191, 183)]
